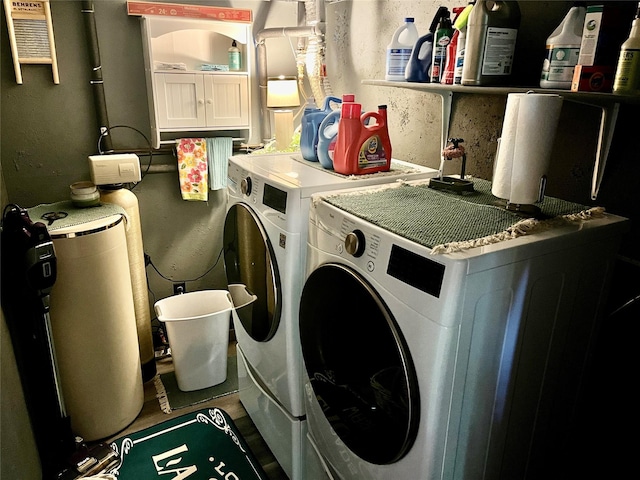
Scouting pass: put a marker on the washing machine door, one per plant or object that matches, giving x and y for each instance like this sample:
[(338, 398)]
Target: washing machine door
[(249, 260), (359, 365)]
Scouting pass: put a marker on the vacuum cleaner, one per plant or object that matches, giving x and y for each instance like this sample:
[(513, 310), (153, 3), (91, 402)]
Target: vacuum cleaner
[(29, 270)]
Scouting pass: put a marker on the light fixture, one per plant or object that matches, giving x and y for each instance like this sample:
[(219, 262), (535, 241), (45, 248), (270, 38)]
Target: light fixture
[(282, 95)]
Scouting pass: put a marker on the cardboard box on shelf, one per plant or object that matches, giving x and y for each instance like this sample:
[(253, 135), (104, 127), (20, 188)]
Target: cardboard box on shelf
[(603, 33), (592, 78)]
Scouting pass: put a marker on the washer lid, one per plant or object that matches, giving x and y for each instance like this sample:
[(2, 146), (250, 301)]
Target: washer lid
[(249, 261), (359, 365)]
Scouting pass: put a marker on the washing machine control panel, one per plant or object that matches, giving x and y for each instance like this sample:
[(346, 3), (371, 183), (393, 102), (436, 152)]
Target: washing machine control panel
[(355, 243), (370, 249), (245, 186)]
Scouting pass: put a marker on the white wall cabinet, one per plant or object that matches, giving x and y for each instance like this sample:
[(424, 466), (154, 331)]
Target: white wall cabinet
[(202, 100), (184, 96)]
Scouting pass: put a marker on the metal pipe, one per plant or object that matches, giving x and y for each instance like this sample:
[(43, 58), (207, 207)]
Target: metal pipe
[(162, 168), (96, 74), (261, 36)]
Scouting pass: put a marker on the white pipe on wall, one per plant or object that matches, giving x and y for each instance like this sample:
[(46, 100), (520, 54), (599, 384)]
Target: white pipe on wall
[(310, 53), (261, 36)]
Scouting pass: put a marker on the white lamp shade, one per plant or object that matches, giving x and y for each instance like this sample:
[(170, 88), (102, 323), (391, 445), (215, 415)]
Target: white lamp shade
[(282, 92)]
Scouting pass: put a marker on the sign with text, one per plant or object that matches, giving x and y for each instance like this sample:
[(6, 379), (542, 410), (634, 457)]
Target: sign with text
[(202, 12), (31, 35), (203, 445)]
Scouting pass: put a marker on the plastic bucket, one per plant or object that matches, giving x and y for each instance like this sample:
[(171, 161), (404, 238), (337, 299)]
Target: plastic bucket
[(197, 324)]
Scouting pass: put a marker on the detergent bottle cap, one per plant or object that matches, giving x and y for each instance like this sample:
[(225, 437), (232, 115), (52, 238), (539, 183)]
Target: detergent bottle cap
[(463, 17), (348, 97)]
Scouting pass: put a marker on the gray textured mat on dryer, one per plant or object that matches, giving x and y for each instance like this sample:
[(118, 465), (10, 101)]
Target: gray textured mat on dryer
[(437, 217)]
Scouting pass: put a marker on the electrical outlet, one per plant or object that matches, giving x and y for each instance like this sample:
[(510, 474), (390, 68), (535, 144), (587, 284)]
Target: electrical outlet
[(179, 287)]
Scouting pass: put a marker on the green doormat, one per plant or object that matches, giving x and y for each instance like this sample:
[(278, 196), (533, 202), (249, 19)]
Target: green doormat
[(171, 397), (201, 445)]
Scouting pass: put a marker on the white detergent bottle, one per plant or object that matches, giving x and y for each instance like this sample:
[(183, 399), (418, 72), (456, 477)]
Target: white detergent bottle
[(460, 24), (399, 50), (627, 79), (563, 50), (492, 31)]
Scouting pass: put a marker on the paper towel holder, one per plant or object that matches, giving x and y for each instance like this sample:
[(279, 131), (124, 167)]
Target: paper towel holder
[(526, 209)]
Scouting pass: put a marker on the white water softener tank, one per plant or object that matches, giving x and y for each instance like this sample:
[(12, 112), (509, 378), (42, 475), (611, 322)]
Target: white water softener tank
[(94, 325), (127, 199)]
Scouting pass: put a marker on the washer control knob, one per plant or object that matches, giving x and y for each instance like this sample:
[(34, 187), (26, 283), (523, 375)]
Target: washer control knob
[(354, 243), (245, 186)]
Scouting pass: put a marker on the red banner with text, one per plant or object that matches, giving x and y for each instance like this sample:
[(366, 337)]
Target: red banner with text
[(204, 12)]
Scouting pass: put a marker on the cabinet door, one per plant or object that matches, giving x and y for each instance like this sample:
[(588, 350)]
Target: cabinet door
[(227, 100), (180, 99)]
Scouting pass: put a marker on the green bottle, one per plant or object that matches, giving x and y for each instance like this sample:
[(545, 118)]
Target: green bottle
[(441, 41)]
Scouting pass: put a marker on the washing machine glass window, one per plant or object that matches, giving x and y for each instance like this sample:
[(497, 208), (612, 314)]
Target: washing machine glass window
[(249, 260), (359, 365)]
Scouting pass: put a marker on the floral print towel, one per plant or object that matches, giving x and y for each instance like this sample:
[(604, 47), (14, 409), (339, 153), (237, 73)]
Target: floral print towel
[(192, 168)]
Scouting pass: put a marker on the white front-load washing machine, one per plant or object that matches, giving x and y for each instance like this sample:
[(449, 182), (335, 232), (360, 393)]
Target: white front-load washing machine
[(265, 249), (464, 364)]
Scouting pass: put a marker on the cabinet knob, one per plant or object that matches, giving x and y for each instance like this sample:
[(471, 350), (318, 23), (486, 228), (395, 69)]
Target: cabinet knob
[(209, 101), (200, 101)]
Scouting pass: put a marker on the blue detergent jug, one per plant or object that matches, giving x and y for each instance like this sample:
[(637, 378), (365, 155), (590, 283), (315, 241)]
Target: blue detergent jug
[(309, 125), (419, 65), (420, 61), (327, 133)]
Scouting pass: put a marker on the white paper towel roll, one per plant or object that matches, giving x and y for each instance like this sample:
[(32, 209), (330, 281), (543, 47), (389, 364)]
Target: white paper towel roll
[(528, 133), (501, 186)]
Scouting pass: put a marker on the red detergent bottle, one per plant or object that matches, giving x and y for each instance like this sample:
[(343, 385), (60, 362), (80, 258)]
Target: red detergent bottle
[(362, 148), (328, 134)]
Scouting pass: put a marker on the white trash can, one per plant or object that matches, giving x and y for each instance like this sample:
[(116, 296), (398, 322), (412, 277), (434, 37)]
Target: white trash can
[(198, 328), (242, 300)]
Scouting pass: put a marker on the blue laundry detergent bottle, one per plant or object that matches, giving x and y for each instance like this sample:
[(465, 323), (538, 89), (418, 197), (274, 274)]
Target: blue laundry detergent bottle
[(327, 133), (309, 125), (420, 61), (419, 66)]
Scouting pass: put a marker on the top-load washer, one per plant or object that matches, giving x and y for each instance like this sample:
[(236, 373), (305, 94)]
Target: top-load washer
[(265, 249), (444, 337)]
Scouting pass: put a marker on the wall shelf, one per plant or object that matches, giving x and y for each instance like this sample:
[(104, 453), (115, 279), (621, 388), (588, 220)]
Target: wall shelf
[(189, 98), (608, 103)]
